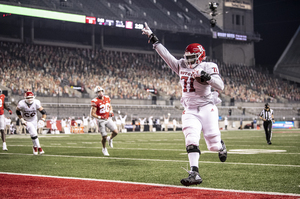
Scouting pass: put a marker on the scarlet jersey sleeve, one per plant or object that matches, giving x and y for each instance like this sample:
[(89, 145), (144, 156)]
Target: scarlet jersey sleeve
[(94, 102)]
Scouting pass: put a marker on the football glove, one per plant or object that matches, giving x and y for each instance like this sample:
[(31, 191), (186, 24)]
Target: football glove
[(10, 112), (147, 31), (205, 76), (111, 114), (23, 122), (197, 72), (41, 123)]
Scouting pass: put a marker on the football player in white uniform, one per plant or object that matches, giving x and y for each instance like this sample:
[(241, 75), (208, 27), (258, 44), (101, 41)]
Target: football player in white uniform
[(53, 125), (200, 111), (27, 112)]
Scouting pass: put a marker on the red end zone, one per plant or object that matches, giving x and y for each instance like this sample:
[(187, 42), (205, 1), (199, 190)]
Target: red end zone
[(27, 186)]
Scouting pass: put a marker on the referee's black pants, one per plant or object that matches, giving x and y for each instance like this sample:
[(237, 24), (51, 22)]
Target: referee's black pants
[(268, 130)]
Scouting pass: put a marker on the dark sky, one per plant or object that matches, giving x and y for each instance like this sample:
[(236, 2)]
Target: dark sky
[(276, 21)]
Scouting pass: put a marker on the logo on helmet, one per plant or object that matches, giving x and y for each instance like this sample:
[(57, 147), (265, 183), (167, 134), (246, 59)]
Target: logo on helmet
[(194, 54), (97, 91), (29, 97)]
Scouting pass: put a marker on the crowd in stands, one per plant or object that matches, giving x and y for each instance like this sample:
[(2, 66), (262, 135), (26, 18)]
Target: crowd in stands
[(249, 84), (53, 71)]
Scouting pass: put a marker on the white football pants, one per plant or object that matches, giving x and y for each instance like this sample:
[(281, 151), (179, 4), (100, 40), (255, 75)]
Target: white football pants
[(31, 129), (2, 122), (203, 118)]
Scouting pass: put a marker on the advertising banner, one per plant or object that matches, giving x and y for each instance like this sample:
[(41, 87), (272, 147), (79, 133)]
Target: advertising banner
[(283, 124)]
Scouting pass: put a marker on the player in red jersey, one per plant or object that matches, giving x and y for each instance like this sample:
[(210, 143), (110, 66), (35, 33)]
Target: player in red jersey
[(3, 106), (102, 111)]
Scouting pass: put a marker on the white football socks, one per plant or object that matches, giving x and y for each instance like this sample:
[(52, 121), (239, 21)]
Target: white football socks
[(36, 143), (194, 159)]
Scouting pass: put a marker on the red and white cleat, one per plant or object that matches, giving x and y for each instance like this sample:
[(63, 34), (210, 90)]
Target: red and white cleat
[(41, 151), (35, 150)]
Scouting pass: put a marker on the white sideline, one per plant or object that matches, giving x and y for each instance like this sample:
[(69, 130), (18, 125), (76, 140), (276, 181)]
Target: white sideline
[(232, 151), (155, 160), (153, 184)]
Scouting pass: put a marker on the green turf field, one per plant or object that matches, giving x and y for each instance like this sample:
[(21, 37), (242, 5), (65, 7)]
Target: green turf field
[(158, 157)]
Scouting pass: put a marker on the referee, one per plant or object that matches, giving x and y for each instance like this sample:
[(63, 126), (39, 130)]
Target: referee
[(267, 116)]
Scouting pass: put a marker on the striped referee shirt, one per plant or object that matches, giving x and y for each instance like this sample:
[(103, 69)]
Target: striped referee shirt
[(266, 114)]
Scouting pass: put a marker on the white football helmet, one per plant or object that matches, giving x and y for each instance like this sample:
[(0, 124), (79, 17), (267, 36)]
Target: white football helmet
[(97, 89), (193, 55), (29, 97)]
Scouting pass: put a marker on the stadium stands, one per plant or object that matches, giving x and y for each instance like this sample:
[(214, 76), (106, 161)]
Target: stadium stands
[(53, 71), (184, 12), (99, 8), (123, 75), (165, 15)]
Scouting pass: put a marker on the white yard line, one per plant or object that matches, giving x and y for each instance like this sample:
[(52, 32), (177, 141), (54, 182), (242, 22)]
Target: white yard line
[(153, 184), (155, 160), (232, 151)]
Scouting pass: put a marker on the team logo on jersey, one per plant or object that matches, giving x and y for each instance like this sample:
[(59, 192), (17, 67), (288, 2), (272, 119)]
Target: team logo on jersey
[(183, 112), (212, 110)]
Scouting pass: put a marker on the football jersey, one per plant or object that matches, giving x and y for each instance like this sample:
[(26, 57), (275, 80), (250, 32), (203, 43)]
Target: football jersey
[(29, 111), (2, 98), (103, 106), (194, 94), (192, 88)]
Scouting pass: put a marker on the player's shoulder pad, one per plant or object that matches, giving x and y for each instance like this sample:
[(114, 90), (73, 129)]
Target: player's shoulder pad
[(21, 103), (94, 102), (107, 97), (37, 101), (212, 68)]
